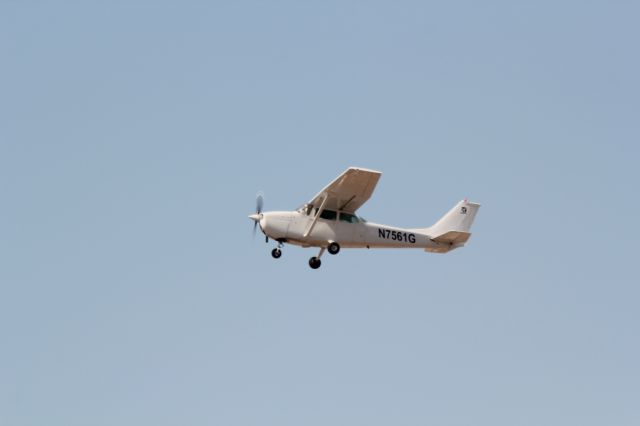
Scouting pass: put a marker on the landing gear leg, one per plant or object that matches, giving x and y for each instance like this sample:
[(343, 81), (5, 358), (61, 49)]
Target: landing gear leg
[(315, 262)]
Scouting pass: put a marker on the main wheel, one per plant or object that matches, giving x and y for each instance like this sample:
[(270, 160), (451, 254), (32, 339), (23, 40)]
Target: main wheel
[(276, 253), (314, 262), (333, 248)]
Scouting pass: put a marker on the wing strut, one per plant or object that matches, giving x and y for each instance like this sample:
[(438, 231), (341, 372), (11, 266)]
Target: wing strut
[(315, 219)]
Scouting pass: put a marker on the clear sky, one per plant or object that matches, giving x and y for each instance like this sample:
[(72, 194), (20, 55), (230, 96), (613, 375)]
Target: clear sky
[(135, 135)]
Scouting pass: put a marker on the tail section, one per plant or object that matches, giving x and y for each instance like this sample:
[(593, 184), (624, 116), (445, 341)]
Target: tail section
[(452, 231)]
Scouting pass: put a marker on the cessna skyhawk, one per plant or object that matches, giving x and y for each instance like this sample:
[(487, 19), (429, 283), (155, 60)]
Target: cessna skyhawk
[(329, 221)]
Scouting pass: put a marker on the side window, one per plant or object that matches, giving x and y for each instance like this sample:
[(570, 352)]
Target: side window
[(328, 214), (348, 217)]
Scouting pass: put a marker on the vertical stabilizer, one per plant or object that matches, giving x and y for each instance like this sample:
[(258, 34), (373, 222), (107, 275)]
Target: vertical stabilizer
[(454, 226)]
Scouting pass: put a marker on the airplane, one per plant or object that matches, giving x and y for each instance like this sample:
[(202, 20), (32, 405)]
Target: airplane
[(329, 222)]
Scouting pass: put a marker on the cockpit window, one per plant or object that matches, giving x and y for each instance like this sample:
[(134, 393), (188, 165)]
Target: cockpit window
[(348, 217), (328, 214)]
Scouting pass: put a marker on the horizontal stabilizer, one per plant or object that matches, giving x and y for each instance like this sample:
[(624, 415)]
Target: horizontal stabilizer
[(453, 237)]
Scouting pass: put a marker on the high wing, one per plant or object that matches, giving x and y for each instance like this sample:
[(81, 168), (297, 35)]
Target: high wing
[(349, 191)]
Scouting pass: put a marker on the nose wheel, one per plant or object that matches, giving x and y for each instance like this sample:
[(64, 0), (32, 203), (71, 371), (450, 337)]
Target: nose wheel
[(276, 253)]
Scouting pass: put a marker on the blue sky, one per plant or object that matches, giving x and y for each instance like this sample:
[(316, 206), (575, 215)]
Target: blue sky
[(135, 135)]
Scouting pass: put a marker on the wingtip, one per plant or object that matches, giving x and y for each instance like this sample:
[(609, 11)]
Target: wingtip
[(364, 169)]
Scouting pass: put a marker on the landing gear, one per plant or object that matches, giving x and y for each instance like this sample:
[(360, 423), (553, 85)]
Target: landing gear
[(333, 248), (315, 262), (276, 252)]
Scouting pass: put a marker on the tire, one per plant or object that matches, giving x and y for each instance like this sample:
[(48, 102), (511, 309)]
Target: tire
[(276, 253), (314, 263), (333, 248)]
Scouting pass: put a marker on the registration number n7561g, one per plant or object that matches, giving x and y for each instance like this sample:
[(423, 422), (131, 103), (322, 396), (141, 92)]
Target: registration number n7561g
[(388, 234)]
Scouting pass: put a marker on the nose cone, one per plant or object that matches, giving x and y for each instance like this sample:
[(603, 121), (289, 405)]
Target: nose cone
[(255, 217)]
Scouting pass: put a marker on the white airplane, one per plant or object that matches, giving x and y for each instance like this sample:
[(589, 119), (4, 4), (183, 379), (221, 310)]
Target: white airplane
[(329, 222)]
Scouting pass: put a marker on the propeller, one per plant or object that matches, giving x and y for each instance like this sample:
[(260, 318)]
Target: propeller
[(259, 203), (258, 214)]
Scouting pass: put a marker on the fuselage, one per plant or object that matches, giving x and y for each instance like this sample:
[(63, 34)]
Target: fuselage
[(348, 230)]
